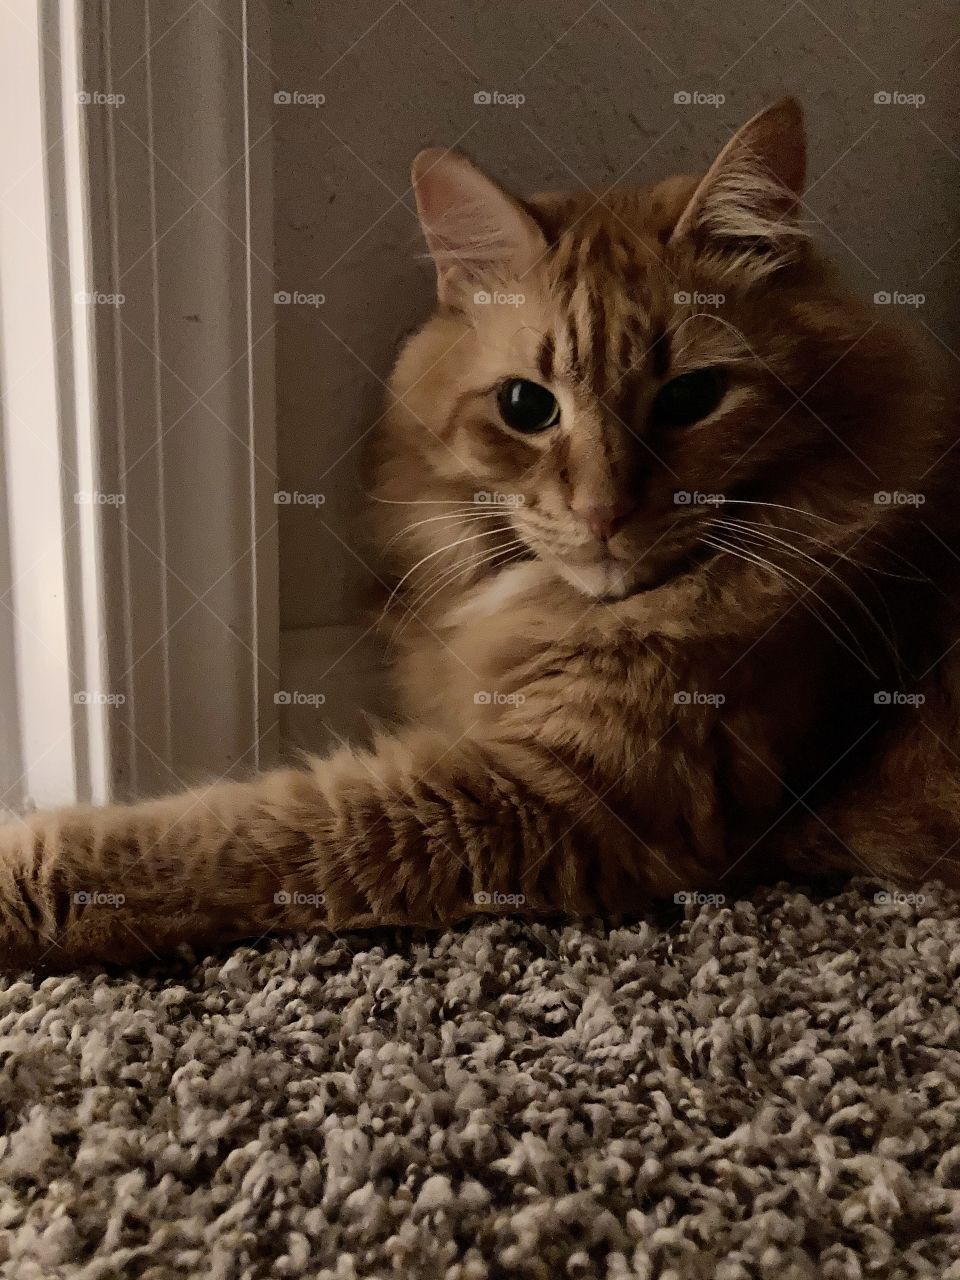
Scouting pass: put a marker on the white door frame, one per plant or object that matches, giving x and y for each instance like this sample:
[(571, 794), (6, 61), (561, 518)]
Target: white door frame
[(136, 397)]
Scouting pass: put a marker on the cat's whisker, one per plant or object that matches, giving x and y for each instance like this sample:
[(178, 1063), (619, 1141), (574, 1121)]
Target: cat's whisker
[(868, 573), (917, 576), (511, 550), (755, 528), (511, 541), (767, 539), (813, 515), (449, 576), (788, 580), (416, 615), (805, 590), (780, 506), (762, 526), (448, 572), (420, 502), (763, 533), (450, 546), (466, 516)]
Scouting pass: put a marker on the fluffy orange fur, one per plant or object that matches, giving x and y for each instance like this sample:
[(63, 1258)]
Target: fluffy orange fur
[(637, 658)]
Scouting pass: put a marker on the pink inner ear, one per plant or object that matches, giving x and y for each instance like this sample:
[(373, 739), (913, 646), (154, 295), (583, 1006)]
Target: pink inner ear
[(470, 224), (457, 204), (439, 185)]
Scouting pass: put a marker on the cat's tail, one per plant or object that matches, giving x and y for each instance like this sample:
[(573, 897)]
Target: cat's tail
[(421, 831)]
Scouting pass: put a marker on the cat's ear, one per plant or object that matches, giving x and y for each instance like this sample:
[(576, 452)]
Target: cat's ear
[(474, 230), (749, 196)]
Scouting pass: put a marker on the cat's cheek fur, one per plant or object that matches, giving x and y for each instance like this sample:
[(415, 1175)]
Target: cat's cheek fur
[(494, 597)]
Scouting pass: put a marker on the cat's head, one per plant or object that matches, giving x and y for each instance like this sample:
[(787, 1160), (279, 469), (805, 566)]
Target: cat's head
[(605, 370)]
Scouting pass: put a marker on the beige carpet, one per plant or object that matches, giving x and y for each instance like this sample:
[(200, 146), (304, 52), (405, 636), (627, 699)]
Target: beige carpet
[(769, 1089)]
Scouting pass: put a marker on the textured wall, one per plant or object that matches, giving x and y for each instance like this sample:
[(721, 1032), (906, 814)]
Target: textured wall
[(599, 81)]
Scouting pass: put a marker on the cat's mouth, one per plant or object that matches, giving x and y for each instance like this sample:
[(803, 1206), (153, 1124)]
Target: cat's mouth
[(604, 572), (610, 577)]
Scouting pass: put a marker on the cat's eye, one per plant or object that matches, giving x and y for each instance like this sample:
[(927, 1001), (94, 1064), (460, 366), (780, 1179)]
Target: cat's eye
[(688, 397), (526, 406)]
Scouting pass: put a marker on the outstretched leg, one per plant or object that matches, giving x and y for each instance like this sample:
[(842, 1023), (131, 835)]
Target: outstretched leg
[(418, 832)]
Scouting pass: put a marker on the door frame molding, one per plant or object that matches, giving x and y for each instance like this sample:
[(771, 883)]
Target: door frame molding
[(139, 445)]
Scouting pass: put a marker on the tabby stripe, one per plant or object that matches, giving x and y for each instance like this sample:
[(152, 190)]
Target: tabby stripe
[(598, 341), (626, 350), (568, 270), (545, 357), (600, 250)]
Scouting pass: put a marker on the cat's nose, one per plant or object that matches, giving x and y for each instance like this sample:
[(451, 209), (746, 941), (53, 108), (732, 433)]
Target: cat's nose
[(603, 521)]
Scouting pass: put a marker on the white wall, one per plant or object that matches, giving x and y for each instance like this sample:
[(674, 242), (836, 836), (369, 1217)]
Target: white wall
[(599, 88)]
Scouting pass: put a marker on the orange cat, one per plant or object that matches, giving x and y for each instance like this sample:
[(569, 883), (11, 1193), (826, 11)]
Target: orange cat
[(671, 520)]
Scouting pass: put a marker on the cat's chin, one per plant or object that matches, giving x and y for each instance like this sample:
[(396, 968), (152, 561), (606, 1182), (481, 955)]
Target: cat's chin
[(605, 580)]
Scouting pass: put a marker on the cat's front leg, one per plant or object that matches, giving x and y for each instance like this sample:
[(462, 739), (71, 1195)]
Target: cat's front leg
[(422, 831), (127, 881)]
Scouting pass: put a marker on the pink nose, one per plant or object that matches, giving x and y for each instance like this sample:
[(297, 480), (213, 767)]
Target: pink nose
[(603, 521)]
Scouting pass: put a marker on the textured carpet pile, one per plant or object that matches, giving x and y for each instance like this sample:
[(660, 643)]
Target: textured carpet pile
[(765, 1089)]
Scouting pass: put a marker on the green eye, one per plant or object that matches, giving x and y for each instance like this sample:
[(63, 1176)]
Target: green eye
[(689, 397), (526, 406)]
